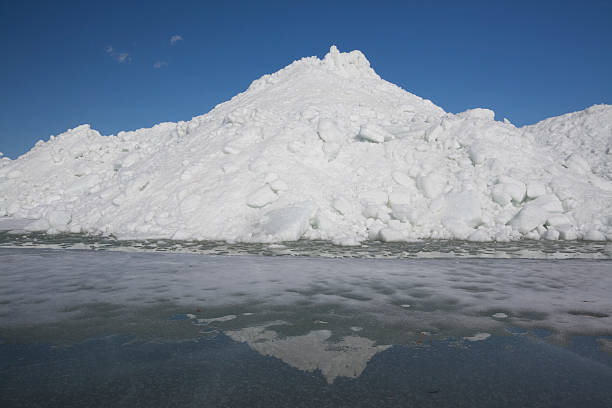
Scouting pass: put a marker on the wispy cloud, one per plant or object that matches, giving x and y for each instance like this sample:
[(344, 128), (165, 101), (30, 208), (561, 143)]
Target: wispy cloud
[(175, 38), (120, 57), (160, 64)]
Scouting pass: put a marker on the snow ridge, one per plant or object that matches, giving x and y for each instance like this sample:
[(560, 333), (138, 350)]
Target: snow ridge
[(323, 149)]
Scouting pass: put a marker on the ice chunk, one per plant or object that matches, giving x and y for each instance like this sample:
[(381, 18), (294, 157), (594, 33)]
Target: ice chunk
[(578, 164), (500, 195), (342, 205), (374, 133), (594, 235), (509, 187), (215, 319), (431, 185), (433, 133), (465, 207), (403, 179), (535, 189), (285, 224), (480, 235), (567, 232), (377, 197), (261, 197), (479, 113), (530, 217), (130, 160), (13, 208), (328, 130), (457, 228), (402, 212), (391, 235), (14, 174), (190, 203), (278, 185), (551, 234), (400, 197), (58, 219), (477, 153), (558, 219), (548, 202), (478, 337), (38, 225)]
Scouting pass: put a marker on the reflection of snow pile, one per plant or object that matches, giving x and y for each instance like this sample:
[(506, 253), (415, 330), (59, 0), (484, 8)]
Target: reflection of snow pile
[(324, 149), (346, 358)]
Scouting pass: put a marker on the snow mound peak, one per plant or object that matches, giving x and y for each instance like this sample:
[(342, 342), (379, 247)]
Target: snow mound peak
[(323, 149), (318, 72), (350, 64)]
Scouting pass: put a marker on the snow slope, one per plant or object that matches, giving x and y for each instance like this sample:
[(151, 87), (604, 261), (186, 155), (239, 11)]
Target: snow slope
[(323, 149)]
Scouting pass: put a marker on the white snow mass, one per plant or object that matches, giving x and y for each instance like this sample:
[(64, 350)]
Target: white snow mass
[(323, 149)]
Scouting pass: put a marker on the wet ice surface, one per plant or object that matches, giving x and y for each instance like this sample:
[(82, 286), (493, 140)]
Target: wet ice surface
[(436, 295), (108, 328)]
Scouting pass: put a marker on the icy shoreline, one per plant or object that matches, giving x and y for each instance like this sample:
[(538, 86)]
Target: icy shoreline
[(324, 150), (423, 249)]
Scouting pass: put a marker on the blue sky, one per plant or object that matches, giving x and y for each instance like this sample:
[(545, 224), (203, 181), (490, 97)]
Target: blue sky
[(525, 60)]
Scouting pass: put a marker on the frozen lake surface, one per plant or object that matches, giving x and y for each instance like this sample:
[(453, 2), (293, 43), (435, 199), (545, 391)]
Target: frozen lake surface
[(426, 324)]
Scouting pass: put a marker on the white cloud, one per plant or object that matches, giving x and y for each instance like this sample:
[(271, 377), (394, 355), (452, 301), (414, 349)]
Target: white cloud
[(160, 64), (120, 57), (175, 38)]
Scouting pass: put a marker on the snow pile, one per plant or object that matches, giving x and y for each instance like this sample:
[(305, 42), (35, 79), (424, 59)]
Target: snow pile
[(323, 149)]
